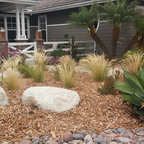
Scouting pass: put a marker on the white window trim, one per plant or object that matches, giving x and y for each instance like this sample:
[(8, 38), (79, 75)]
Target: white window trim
[(13, 15), (45, 16)]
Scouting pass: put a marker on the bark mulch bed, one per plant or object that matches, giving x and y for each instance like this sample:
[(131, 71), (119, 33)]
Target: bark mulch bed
[(95, 112)]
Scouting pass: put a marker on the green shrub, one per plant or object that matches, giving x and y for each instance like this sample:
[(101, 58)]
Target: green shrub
[(25, 69), (36, 72), (58, 53), (108, 87), (132, 90)]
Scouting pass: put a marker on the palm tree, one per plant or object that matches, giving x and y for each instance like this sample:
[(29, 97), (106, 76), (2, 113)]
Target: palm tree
[(117, 13), (138, 38), (85, 18)]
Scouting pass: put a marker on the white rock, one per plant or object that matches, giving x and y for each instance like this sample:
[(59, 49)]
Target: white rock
[(50, 98), (113, 72), (3, 97)]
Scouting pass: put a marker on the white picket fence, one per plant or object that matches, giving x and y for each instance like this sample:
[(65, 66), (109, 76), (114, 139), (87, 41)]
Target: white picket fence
[(25, 48), (29, 48)]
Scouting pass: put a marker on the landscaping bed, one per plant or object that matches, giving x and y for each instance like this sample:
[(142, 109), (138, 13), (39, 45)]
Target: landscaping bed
[(94, 113)]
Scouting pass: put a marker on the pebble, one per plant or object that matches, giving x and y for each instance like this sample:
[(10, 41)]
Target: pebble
[(99, 140), (78, 137), (124, 140), (68, 137), (88, 138), (121, 130), (110, 136)]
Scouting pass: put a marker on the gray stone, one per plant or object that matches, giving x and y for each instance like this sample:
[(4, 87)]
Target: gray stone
[(121, 130), (99, 140), (59, 141), (124, 140), (141, 139), (114, 130), (83, 132), (88, 138), (94, 136), (78, 137), (36, 139), (45, 137), (68, 137), (36, 142)]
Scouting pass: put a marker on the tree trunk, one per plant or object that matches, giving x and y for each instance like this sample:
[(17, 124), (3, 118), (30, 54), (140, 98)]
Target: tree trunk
[(132, 42), (115, 37), (99, 42)]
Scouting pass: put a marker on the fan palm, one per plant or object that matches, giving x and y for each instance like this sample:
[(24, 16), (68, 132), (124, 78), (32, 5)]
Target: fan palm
[(117, 13), (138, 38), (85, 18)]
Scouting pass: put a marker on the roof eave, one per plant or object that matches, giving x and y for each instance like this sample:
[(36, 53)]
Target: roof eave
[(24, 2), (67, 6)]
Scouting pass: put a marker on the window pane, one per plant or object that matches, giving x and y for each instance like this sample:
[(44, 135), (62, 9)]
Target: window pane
[(1, 21), (42, 22)]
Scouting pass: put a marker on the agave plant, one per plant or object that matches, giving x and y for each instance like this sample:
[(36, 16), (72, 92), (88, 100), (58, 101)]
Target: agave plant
[(132, 90)]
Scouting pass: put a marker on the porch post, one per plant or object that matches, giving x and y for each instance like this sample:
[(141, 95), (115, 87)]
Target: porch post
[(23, 23), (17, 23)]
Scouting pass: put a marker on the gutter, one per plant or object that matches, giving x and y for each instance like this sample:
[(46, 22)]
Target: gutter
[(43, 10)]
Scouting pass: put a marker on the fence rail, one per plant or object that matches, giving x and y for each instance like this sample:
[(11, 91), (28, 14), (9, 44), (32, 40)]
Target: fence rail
[(29, 48)]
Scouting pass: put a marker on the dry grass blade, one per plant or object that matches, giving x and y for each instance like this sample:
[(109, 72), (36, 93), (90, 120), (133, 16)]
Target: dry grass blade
[(97, 65), (40, 59), (11, 63), (133, 61), (13, 79), (67, 71)]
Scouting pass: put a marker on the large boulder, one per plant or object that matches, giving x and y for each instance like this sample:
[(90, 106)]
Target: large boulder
[(50, 98), (3, 97)]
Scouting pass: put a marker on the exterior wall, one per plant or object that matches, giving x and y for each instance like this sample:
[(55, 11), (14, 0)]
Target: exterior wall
[(56, 33), (57, 27)]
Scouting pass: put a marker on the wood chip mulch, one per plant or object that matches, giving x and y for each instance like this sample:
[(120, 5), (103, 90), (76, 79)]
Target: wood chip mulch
[(95, 112)]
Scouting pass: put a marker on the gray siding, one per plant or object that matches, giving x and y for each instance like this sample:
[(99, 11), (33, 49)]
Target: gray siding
[(105, 32), (56, 33)]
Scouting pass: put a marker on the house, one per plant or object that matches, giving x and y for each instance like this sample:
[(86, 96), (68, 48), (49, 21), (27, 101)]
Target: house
[(14, 20), (21, 19)]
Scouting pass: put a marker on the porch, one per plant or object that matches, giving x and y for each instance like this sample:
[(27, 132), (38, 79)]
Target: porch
[(14, 20)]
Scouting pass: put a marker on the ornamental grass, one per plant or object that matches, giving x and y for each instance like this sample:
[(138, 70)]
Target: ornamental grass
[(67, 71), (133, 61), (98, 66)]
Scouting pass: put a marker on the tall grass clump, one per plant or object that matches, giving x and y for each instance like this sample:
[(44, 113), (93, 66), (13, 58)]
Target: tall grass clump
[(40, 60), (37, 74), (97, 65), (133, 61), (11, 63), (67, 71), (12, 79)]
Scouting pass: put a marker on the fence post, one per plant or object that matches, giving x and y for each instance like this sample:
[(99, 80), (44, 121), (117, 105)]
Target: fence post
[(3, 44), (38, 39), (71, 47)]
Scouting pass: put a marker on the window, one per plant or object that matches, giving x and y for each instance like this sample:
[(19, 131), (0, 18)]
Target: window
[(42, 22), (1, 22), (11, 22), (42, 25)]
